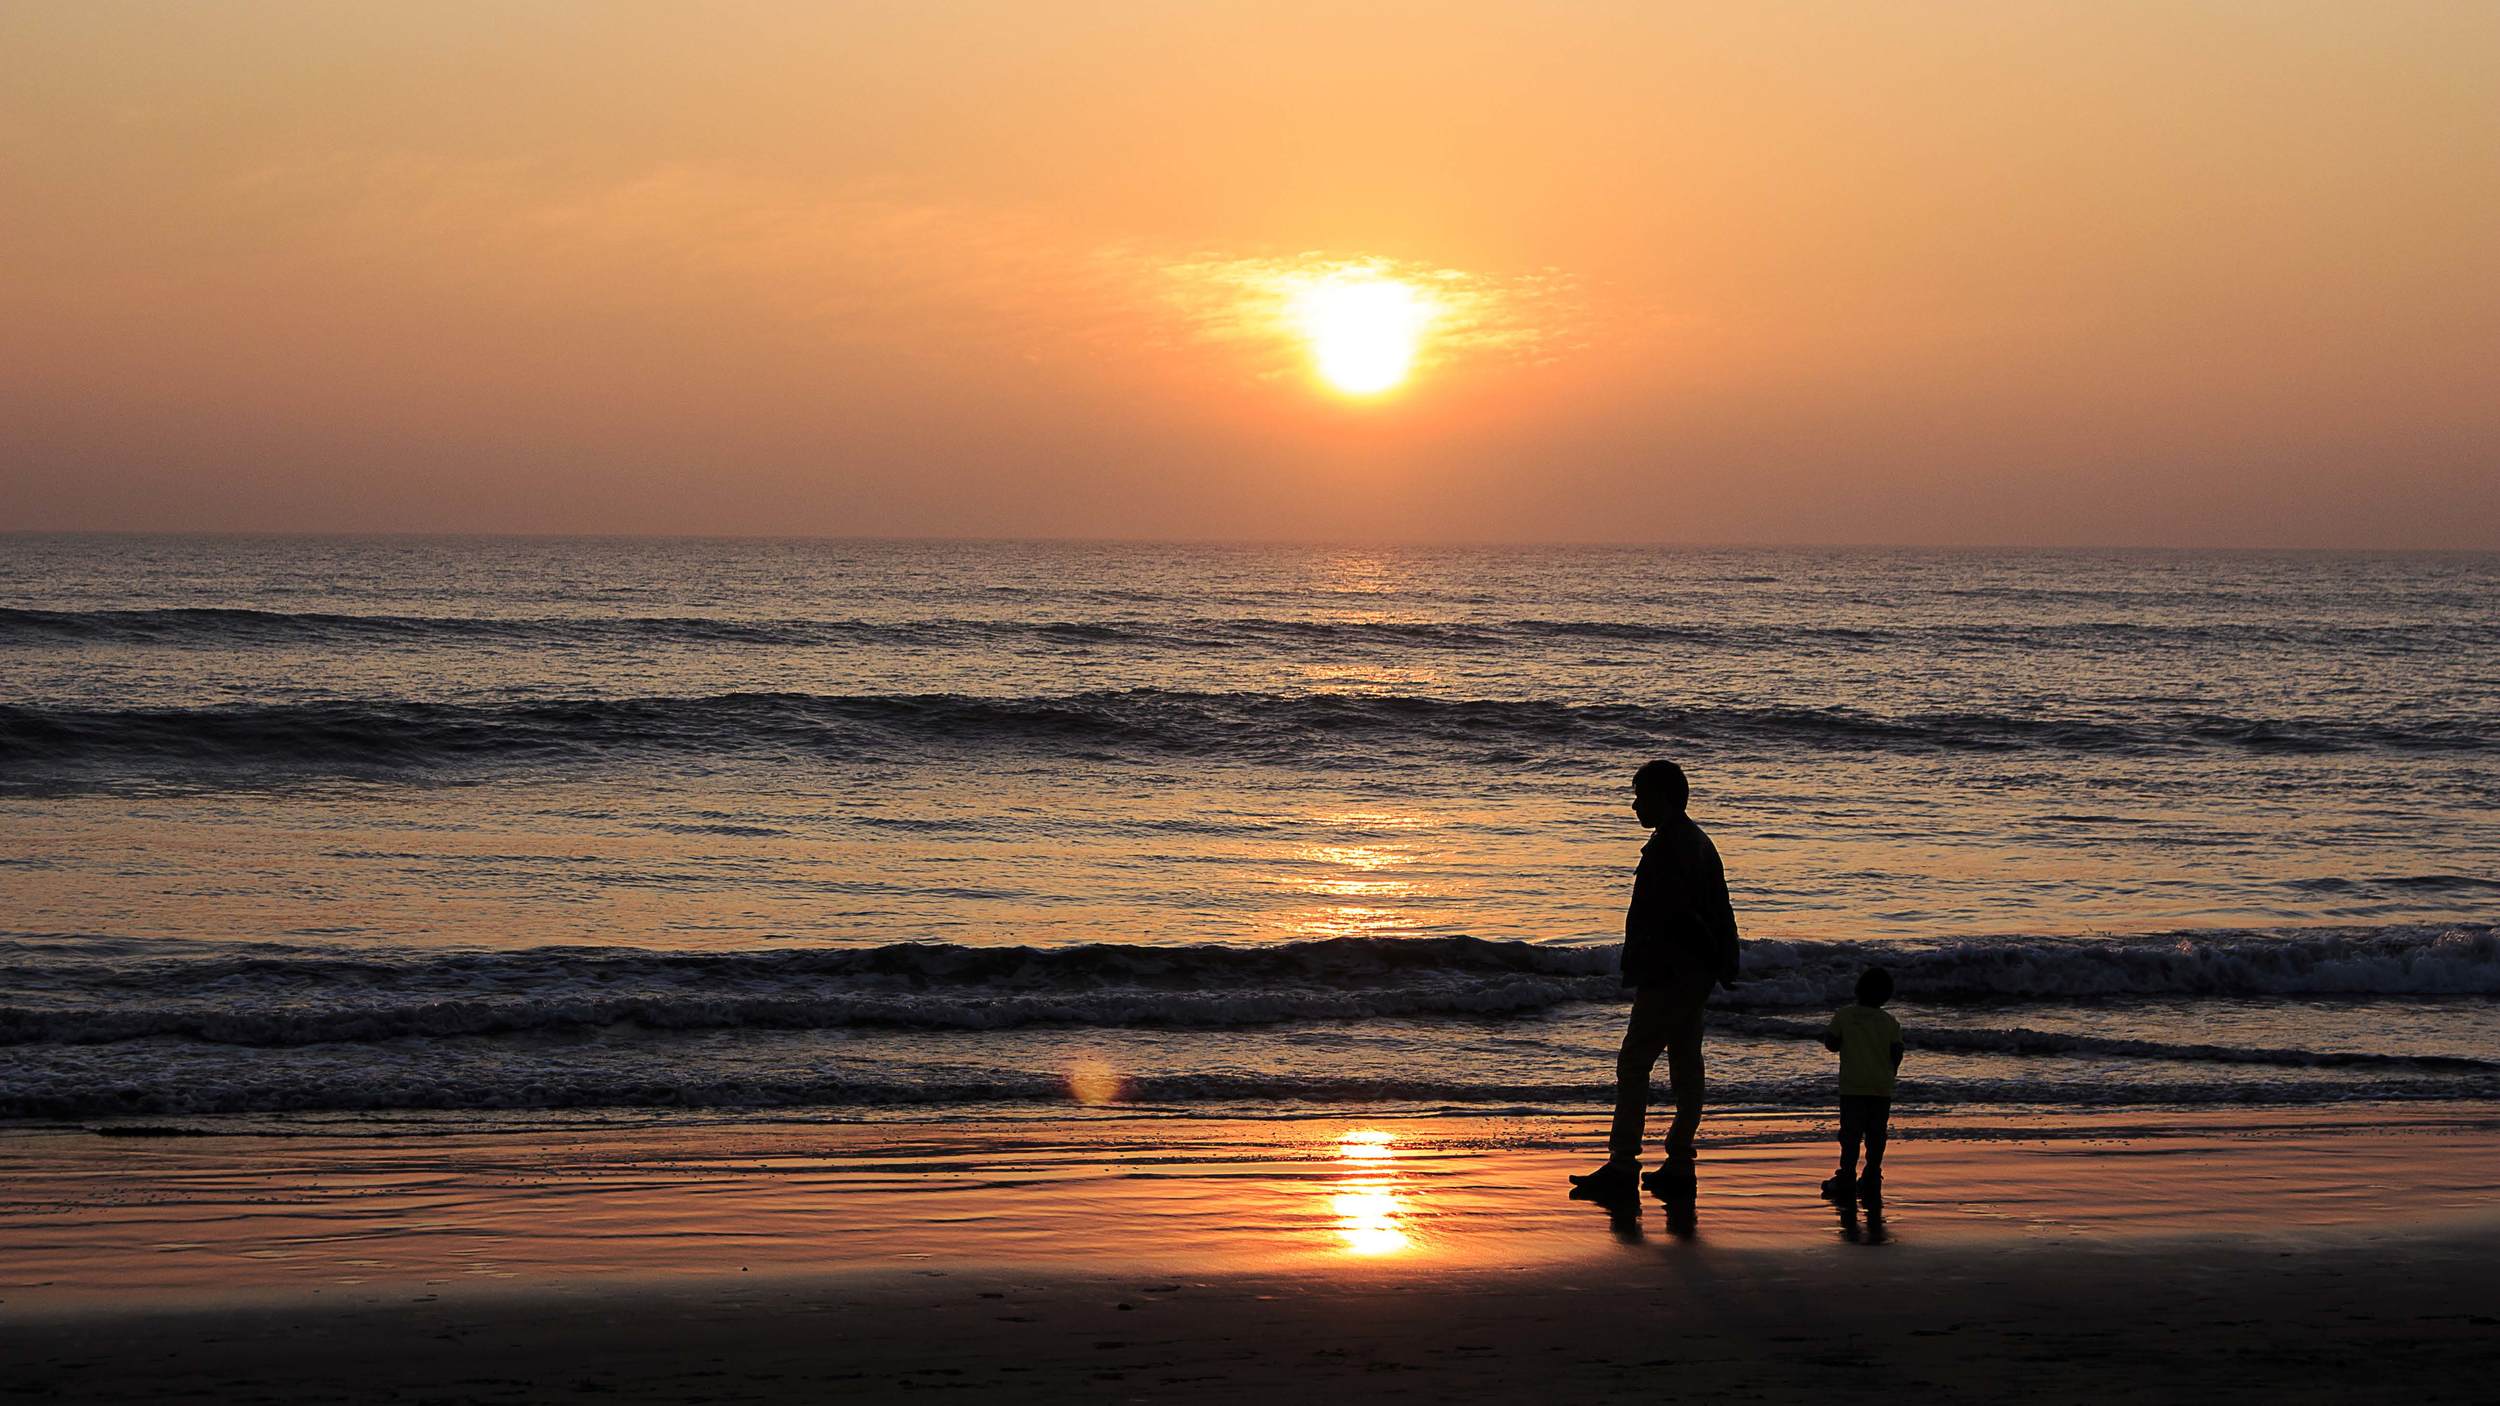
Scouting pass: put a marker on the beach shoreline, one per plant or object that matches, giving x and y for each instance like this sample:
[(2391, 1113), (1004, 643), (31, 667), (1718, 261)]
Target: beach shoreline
[(342, 1212)]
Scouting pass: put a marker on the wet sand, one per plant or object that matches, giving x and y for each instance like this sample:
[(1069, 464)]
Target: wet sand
[(2340, 1256), (2387, 1320)]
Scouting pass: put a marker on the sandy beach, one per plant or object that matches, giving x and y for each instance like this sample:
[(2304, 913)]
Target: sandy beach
[(2339, 1256), (2383, 1319)]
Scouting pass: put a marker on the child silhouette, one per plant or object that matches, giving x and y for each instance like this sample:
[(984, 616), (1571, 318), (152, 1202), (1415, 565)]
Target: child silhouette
[(1868, 1041)]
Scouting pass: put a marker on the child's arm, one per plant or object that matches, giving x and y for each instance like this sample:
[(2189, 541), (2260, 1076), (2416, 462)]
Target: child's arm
[(1896, 1054), (1831, 1035)]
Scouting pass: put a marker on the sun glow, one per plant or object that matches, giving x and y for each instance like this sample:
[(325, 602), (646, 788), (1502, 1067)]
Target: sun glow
[(1363, 329)]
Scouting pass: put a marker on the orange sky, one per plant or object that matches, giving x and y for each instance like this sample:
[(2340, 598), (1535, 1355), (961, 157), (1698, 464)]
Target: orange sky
[(2095, 272)]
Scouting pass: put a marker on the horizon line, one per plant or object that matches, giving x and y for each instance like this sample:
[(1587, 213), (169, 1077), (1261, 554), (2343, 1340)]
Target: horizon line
[(1449, 544)]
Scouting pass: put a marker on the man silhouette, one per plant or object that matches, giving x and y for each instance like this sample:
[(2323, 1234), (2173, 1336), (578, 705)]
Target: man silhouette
[(1679, 940)]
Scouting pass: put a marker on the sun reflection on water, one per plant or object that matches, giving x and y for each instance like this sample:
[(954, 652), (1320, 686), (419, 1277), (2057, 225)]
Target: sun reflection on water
[(1358, 871), (1348, 920), (1368, 1222), (1368, 1147), (1369, 1211)]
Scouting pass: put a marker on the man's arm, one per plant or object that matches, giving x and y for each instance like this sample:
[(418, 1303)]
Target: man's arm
[(1896, 1054), (1640, 916), (1831, 1035), (1716, 910)]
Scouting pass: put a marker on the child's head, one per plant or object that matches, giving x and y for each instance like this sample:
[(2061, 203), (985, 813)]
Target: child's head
[(1874, 986)]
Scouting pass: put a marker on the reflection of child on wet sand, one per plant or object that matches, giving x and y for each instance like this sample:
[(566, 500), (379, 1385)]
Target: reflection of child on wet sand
[(1868, 1042)]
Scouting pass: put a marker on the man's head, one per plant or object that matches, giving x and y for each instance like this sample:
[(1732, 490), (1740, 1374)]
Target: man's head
[(1874, 986), (1659, 793)]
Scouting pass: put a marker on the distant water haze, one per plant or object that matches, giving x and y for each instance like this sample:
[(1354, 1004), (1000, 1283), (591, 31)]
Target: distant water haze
[(2032, 273)]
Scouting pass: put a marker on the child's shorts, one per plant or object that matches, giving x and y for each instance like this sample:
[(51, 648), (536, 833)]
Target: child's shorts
[(1864, 1115)]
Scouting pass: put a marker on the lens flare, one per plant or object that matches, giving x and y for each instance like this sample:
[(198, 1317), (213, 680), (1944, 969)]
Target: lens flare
[(1094, 1083)]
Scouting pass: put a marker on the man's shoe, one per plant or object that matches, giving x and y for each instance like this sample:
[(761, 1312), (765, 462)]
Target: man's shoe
[(1840, 1187), (1613, 1179), (1674, 1179), (1871, 1187)]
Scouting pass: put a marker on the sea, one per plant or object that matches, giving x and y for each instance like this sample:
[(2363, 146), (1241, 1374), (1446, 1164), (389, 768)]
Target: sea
[(300, 832)]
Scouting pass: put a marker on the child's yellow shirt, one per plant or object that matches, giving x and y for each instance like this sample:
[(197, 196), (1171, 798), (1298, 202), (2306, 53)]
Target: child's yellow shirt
[(1866, 1036)]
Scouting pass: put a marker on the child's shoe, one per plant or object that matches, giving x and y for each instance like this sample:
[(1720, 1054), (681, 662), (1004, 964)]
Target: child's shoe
[(1871, 1187), (1840, 1187)]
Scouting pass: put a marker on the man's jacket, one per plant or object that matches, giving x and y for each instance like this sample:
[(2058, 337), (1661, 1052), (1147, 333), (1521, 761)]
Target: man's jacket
[(1680, 922)]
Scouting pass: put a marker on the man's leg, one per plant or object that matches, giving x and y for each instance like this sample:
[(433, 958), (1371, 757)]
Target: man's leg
[(1683, 1023), (1645, 1034)]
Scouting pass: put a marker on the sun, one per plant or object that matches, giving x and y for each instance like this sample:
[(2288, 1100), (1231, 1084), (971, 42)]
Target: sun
[(1363, 329)]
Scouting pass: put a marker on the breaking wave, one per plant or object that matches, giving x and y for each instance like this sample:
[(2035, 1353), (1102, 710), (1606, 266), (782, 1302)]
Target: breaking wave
[(365, 737), (101, 1028), (283, 999)]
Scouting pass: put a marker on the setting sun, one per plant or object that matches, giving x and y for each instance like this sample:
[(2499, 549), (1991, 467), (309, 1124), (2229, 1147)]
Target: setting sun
[(1363, 330)]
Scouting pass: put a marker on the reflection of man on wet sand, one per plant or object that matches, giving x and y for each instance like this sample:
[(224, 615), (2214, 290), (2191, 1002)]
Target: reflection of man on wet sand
[(1679, 940)]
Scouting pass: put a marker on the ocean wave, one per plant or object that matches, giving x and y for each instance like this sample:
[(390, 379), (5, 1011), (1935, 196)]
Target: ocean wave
[(385, 737), (290, 998), (2392, 960), (281, 1000), (231, 627), (2019, 1040)]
